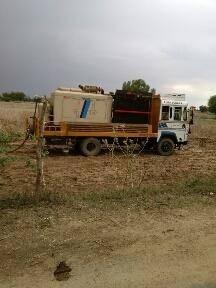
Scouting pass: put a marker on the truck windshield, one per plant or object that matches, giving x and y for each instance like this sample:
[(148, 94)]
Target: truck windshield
[(171, 112), (178, 113), (185, 114), (165, 113)]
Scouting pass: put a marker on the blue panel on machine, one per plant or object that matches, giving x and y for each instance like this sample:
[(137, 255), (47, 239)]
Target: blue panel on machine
[(85, 108)]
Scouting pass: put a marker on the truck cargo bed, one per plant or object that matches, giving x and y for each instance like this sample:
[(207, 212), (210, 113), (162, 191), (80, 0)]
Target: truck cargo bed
[(67, 129)]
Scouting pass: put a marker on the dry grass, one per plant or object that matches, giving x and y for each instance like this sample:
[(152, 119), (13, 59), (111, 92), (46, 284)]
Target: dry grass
[(13, 115), (198, 190), (108, 212), (205, 125), (107, 174)]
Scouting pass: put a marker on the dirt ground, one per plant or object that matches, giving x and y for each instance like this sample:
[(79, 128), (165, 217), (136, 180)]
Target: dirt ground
[(115, 243), (75, 173), (164, 248)]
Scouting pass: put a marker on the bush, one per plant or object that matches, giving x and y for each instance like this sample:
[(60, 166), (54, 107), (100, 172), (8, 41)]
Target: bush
[(6, 137), (5, 140), (203, 108), (212, 104)]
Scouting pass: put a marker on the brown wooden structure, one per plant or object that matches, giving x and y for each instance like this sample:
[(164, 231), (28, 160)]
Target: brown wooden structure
[(98, 130)]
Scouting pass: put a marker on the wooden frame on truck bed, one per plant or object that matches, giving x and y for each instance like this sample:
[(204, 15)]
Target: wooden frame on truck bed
[(103, 130)]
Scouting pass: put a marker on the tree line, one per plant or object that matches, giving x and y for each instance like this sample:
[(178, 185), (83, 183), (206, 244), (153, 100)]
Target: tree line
[(211, 105), (15, 96)]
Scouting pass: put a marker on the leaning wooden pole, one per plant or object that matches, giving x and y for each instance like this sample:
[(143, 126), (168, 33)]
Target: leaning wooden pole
[(40, 181)]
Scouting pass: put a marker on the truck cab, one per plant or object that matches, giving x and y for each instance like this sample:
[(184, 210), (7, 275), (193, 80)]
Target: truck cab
[(174, 119)]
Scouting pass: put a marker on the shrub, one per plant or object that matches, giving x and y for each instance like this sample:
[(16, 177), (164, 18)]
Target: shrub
[(212, 104), (203, 108)]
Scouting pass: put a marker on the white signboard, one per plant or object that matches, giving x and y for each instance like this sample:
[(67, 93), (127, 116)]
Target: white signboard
[(174, 97)]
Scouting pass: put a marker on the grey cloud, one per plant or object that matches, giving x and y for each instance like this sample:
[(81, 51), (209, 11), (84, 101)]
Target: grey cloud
[(169, 43)]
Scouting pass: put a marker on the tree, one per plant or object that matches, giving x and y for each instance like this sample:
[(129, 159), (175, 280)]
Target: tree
[(137, 86), (212, 104), (203, 108)]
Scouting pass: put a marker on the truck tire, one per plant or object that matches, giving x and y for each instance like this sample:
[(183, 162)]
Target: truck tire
[(90, 146), (165, 147)]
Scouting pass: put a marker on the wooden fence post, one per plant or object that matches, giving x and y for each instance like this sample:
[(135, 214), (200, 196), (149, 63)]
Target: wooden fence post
[(40, 181)]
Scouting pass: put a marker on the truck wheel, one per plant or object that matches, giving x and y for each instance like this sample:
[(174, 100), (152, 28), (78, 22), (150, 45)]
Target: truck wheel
[(165, 147), (90, 147)]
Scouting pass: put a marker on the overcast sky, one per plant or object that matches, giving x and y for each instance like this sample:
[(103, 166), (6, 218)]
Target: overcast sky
[(49, 43)]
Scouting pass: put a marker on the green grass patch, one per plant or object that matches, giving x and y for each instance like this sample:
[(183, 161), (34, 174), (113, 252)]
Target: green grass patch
[(5, 160), (186, 193), (29, 199), (178, 194), (7, 137)]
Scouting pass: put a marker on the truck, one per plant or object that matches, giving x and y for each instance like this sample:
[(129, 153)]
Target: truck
[(87, 119)]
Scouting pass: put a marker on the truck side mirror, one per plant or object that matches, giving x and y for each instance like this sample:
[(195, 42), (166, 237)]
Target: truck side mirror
[(192, 117), (191, 121)]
